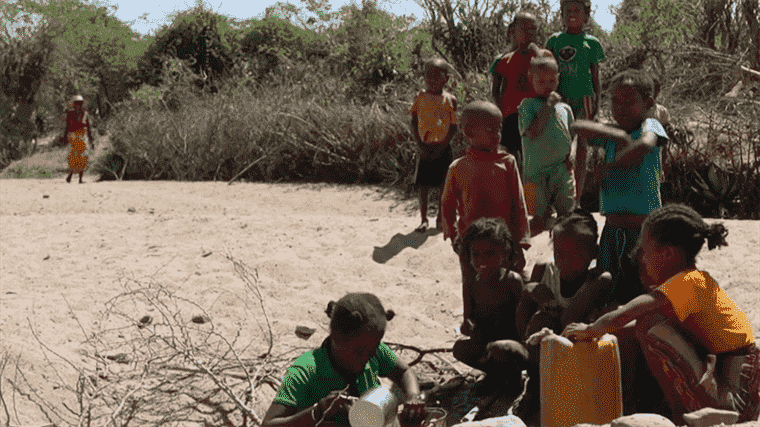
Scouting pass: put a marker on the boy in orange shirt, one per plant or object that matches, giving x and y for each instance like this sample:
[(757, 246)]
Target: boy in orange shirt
[(484, 183), (434, 124)]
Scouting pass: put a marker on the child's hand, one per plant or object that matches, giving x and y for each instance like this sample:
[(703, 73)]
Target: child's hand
[(579, 332), (533, 47), (334, 404), (553, 99), (413, 412)]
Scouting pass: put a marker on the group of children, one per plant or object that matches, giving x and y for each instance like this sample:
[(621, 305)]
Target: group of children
[(546, 99), (697, 344)]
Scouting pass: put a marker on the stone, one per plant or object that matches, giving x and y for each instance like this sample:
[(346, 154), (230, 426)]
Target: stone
[(591, 425), (642, 420), (707, 417), (505, 421)]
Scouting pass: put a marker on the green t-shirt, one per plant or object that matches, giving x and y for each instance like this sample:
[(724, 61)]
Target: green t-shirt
[(312, 376), (575, 54), (553, 145)]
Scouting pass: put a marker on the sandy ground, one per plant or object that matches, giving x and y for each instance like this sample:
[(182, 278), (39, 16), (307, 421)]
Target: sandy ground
[(66, 250)]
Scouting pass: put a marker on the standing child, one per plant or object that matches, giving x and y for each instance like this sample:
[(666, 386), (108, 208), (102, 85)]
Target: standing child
[(549, 151), (484, 183), (490, 302), (510, 79), (631, 185), (698, 343), (579, 55), (434, 123)]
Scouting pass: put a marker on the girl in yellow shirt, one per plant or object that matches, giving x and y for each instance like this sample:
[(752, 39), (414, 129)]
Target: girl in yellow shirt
[(698, 344)]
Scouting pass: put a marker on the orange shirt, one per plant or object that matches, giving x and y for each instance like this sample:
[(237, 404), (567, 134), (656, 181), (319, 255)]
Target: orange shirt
[(435, 115), (707, 310), (484, 185)]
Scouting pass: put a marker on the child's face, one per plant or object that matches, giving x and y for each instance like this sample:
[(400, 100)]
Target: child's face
[(572, 255), (487, 258), (629, 107), (575, 17), (352, 353), (524, 33), (544, 80), (436, 79), (483, 131), (651, 257)]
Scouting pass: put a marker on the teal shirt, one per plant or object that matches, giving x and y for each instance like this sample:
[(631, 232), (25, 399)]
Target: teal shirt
[(553, 145), (575, 54), (634, 190), (312, 377)]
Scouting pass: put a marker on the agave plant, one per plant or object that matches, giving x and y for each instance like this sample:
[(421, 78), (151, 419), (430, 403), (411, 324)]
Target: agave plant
[(721, 187)]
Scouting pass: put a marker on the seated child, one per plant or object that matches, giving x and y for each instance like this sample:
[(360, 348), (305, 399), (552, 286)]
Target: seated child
[(631, 185), (490, 302), (570, 289), (485, 182), (348, 363), (434, 123), (548, 147), (697, 342)]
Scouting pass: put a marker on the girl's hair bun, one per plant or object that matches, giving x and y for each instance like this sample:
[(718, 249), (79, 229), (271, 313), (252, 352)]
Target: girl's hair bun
[(330, 309), (389, 315)]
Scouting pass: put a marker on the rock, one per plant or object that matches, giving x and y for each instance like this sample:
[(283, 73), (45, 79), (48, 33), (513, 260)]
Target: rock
[(591, 425), (707, 417), (144, 321), (506, 421), (200, 319), (642, 420), (45, 196), (131, 210), (304, 332)]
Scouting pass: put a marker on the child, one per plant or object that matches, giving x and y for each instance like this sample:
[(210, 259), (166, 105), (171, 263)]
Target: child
[(484, 183), (490, 302), (316, 387), (434, 123), (697, 342), (569, 289), (547, 145), (631, 185), (77, 123), (510, 79), (579, 55)]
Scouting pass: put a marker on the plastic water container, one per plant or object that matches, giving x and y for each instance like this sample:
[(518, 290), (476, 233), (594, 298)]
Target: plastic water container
[(377, 407), (580, 382)]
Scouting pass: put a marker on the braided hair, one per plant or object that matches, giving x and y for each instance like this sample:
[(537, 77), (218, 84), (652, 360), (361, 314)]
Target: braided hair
[(356, 312), (681, 226), (492, 229)]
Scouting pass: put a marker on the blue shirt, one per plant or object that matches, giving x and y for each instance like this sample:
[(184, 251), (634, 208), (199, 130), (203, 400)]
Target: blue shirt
[(634, 190)]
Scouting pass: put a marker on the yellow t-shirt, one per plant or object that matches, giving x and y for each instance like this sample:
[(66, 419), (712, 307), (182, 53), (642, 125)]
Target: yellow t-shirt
[(707, 310), (435, 115)]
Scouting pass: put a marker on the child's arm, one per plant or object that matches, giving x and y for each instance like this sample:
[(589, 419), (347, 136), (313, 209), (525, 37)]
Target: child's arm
[(588, 297), (449, 207), (614, 320), (415, 128), (496, 89), (452, 127), (633, 154), (538, 124), (597, 82), (581, 149)]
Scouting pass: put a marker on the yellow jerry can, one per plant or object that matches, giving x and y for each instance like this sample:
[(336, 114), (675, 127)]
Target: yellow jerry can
[(580, 382)]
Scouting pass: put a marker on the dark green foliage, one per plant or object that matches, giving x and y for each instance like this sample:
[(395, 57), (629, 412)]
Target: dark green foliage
[(200, 37)]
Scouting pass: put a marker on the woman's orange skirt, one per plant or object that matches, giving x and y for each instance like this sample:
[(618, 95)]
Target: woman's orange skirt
[(78, 161)]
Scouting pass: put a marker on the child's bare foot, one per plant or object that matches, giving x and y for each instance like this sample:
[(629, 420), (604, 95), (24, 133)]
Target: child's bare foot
[(422, 228)]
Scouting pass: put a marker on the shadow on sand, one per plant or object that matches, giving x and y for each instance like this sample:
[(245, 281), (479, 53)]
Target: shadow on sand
[(399, 242)]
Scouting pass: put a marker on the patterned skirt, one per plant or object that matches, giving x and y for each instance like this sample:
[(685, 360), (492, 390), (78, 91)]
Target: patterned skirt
[(78, 161), (678, 366)]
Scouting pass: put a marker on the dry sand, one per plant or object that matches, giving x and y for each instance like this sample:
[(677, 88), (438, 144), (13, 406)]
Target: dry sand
[(64, 256)]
